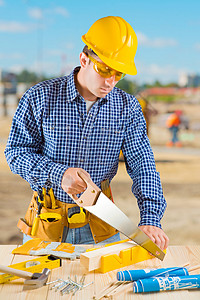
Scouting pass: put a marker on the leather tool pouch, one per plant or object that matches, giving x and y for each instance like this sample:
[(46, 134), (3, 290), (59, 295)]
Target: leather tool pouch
[(53, 231), (47, 231)]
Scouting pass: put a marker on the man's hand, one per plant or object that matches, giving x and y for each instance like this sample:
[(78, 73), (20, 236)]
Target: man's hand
[(72, 183), (157, 235)]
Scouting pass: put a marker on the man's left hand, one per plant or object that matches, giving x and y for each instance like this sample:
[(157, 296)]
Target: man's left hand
[(157, 235)]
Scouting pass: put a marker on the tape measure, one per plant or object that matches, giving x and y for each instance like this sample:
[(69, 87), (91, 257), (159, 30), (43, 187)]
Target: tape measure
[(76, 214), (34, 265)]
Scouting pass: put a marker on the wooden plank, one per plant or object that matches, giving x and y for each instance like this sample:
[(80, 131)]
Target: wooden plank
[(194, 257), (92, 260), (6, 257)]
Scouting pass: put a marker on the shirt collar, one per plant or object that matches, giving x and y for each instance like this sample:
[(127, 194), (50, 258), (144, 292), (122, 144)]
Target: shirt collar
[(72, 92)]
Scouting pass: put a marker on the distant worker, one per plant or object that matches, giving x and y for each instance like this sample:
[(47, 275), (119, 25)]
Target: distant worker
[(173, 123), (78, 124)]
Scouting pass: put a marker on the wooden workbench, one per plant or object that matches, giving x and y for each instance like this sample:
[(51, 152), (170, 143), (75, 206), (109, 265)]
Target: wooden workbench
[(176, 256)]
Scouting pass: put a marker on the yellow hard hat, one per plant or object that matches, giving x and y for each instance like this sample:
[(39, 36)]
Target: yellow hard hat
[(115, 43)]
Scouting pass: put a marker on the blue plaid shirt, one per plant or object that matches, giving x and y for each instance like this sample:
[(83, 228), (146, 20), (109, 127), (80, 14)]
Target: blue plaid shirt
[(51, 131)]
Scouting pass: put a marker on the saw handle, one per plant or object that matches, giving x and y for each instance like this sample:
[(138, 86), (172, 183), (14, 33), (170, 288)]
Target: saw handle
[(16, 272), (90, 195)]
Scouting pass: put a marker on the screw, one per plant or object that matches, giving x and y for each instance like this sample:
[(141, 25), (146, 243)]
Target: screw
[(56, 285), (75, 283), (88, 284), (82, 280), (76, 290), (69, 285), (71, 289), (62, 285), (65, 290), (68, 289), (53, 281)]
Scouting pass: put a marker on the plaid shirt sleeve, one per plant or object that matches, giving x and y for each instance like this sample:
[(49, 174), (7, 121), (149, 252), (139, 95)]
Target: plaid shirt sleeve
[(141, 167), (24, 150)]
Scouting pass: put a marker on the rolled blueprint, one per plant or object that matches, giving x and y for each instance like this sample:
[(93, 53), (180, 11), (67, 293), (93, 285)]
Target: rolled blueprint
[(133, 275), (157, 284)]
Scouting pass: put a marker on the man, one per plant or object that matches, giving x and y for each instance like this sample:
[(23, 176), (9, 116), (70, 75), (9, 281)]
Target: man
[(79, 123), (173, 124)]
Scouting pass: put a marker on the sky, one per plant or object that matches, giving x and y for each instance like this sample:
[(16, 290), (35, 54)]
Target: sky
[(45, 36)]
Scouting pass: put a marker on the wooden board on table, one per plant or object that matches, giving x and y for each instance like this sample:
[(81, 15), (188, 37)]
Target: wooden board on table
[(91, 260)]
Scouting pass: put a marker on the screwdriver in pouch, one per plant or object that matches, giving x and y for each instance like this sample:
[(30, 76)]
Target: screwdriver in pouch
[(37, 217)]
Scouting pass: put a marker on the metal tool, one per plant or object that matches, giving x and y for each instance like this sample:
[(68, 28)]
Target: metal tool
[(40, 202), (69, 286), (102, 207), (54, 281), (44, 200), (33, 280), (53, 200)]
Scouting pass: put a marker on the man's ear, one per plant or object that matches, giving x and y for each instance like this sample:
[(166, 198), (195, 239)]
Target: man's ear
[(84, 60)]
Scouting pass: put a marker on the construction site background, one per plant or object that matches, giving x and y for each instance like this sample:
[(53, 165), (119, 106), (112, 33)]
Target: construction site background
[(178, 167)]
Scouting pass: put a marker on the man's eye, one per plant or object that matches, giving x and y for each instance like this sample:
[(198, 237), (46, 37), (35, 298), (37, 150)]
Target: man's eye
[(118, 74), (108, 70), (105, 70)]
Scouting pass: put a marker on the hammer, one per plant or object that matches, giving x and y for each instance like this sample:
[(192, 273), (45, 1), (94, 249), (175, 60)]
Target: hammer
[(33, 280)]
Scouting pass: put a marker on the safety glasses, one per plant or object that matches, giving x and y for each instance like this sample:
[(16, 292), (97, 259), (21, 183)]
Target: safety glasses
[(104, 70)]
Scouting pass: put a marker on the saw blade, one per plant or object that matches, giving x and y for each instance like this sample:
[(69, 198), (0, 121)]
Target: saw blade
[(108, 212)]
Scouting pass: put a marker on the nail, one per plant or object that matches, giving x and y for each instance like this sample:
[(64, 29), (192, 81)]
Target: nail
[(56, 285), (53, 281), (82, 280), (77, 288), (73, 287), (88, 284), (62, 286), (65, 290), (75, 283)]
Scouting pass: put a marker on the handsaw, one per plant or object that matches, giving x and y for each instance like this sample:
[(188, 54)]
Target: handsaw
[(94, 201)]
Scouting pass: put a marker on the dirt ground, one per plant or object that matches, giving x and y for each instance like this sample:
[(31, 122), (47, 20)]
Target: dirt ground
[(179, 171)]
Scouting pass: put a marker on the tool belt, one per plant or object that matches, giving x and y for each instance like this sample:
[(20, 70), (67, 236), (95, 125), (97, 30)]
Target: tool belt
[(50, 228)]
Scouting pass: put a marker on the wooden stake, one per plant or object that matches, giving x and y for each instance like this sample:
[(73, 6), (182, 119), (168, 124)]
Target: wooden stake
[(120, 289), (194, 268), (107, 289)]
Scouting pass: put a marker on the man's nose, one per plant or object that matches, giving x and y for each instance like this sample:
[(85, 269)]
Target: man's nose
[(111, 80)]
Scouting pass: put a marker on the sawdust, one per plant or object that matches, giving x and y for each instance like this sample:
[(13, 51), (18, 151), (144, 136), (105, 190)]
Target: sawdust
[(179, 171)]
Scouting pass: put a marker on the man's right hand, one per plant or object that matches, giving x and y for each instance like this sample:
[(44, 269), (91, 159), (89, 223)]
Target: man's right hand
[(72, 183)]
